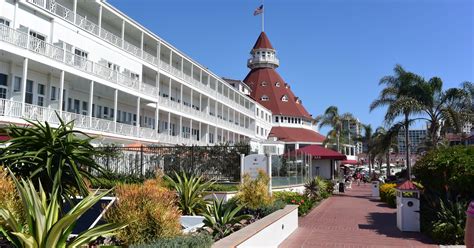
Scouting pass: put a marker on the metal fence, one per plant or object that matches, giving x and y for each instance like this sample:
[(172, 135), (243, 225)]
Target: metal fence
[(220, 162)]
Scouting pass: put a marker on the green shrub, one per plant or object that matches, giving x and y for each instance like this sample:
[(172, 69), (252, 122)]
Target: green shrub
[(304, 202), (46, 227), (254, 193), (330, 187), (223, 187), (450, 222), (39, 152), (185, 241), (223, 219), (191, 192), (388, 194), (149, 209), (448, 172)]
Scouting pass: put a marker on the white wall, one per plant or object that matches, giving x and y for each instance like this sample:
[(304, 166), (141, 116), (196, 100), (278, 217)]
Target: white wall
[(274, 234), (324, 168)]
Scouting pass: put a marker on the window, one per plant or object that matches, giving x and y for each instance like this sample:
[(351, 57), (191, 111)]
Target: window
[(113, 66), (276, 118), (264, 98), (17, 84), (80, 53), (258, 129), (277, 84), (99, 111), (77, 105), (85, 107), (64, 100), (54, 93), (40, 98), (29, 92), (264, 83), (3, 79), (284, 98), (37, 35), (106, 112), (4, 22), (3, 86), (135, 76), (80, 57)]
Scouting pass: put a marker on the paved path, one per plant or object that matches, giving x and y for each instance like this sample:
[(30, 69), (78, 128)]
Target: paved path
[(353, 219)]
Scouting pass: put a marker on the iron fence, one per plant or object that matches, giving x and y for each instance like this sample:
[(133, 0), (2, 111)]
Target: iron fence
[(220, 162)]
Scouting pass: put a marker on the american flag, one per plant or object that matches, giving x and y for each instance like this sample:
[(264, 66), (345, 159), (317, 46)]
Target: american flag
[(258, 10)]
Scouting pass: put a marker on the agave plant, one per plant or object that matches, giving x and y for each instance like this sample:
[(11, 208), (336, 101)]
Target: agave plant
[(223, 219), (38, 151), (191, 191), (450, 223), (311, 189), (46, 226)]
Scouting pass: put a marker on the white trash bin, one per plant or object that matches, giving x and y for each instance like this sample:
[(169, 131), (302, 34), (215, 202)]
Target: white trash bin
[(375, 189), (408, 207)]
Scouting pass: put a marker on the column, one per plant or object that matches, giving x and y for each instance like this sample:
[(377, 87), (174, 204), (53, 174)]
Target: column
[(61, 92), (141, 45), (200, 102), (15, 14), (74, 9), (138, 116), (24, 76), (207, 135), (200, 132), (169, 123), (91, 100), (123, 33), (182, 65), (100, 19), (169, 92), (181, 93), (158, 53), (180, 131), (191, 129), (192, 98), (157, 111), (115, 109)]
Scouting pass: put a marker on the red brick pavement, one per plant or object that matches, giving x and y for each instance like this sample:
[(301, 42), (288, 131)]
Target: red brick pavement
[(353, 219)]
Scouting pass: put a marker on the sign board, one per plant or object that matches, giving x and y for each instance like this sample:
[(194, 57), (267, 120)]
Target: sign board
[(253, 163)]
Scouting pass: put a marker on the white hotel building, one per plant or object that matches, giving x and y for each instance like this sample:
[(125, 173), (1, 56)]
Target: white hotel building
[(91, 63)]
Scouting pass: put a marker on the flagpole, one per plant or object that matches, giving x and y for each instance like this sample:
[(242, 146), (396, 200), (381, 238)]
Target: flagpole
[(263, 17)]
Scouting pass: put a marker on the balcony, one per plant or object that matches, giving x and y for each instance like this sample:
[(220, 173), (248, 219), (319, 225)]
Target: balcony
[(14, 109), (58, 54)]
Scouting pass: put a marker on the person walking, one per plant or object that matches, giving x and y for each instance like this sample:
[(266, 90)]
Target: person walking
[(469, 230)]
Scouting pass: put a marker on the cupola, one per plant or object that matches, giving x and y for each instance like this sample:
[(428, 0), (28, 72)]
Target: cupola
[(263, 55)]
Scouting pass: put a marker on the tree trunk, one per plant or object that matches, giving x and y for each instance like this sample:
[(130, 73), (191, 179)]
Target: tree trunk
[(407, 146), (370, 166), (388, 164)]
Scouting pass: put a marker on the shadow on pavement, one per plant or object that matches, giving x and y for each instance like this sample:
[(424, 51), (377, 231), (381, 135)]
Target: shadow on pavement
[(386, 224)]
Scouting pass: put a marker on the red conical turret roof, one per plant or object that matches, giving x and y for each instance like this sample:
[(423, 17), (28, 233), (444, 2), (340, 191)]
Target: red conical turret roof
[(267, 82), (262, 42)]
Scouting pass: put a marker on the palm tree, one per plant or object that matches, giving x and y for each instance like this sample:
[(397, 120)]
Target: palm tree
[(385, 142), (444, 109), (332, 118), (399, 98), (367, 139)]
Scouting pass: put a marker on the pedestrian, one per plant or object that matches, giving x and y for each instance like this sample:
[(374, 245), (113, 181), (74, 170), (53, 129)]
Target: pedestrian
[(469, 231), (358, 178)]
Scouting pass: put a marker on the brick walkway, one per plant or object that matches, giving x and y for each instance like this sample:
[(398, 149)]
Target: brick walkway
[(353, 219)]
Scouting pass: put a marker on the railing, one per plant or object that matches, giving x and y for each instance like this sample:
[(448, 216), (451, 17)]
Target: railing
[(13, 109), (33, 44), (59, 10)]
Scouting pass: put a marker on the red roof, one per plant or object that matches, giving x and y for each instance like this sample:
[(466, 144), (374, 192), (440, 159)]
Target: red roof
[(407, 185), (262, 42), (322, 153), (290, 134), (354, 162), (274, 93)]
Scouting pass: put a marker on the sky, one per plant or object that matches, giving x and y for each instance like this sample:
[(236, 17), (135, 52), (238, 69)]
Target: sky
[(332, 52)]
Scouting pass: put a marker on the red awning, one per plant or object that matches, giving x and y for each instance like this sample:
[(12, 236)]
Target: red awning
[(353, 162), (319, 152)]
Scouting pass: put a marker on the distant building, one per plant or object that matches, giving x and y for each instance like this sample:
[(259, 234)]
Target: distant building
[(353, 129), (416, 138)]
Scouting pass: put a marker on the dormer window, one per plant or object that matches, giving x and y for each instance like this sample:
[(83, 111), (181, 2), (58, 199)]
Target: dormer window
[(277, 84), (264, 98), (264, 83), (284, 98), (287, 86)]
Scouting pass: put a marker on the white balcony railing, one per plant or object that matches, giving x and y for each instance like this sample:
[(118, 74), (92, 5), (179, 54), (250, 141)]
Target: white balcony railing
[(14, 109), (59, 10)]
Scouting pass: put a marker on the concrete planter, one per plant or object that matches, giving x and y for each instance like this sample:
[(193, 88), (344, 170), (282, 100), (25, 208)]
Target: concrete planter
[(220, 195), (270, 231)]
